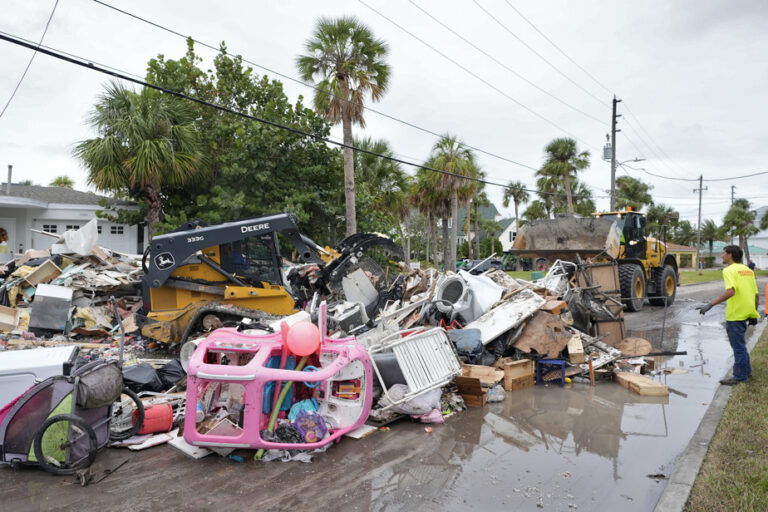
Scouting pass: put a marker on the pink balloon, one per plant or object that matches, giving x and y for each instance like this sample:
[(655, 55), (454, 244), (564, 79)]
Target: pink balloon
[(303, 338)]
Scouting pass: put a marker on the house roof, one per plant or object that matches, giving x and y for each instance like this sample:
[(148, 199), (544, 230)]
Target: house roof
[(680, 248), (58, 195), (485, 212), (505, 223), (717, 247)]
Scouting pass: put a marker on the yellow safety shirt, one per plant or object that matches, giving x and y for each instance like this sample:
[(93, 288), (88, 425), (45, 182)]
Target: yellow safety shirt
[(742, 305)]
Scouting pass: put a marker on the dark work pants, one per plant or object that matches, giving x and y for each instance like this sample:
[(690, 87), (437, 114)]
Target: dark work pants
[(736, 331)]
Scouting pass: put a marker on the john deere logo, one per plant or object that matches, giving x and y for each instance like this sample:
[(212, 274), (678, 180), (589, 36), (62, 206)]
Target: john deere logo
[(164, 260)]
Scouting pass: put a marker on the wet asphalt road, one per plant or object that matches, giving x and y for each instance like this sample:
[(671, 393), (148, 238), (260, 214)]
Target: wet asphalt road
[(543, 448)]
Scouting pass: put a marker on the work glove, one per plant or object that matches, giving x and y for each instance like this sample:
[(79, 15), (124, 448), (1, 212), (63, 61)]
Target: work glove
[(703, 309), (752, 321)]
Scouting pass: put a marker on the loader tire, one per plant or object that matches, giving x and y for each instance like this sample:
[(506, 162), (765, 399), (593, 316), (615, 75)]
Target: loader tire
[(665, 280), (632, 281)]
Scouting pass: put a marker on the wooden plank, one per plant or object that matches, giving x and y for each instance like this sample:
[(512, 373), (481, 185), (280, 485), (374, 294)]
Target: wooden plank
[(488, 375), (576, 350), (554, 307), (641, 384), (472, 391)]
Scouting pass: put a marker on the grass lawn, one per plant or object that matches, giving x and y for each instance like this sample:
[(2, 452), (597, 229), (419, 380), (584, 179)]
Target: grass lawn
[(691, 276), (734, 475)]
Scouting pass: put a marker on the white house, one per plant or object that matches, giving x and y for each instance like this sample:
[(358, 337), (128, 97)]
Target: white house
[(507, 237), (760, 239), (55, 210)]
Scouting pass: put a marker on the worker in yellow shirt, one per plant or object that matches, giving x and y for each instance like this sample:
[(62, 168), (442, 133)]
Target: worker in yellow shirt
[(740, 310)]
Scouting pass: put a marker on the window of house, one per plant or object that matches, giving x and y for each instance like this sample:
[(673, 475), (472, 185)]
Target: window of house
[(98, 228), (115, 230), (72, 226), (49, 228)]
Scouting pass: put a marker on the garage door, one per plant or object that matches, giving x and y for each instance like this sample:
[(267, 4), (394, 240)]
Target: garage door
[(118, 237)]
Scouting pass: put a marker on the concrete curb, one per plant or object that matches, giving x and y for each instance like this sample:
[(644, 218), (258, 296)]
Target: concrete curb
[(675, 494)]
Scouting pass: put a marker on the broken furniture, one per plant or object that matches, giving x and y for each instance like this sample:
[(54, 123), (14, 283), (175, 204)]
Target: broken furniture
[(518, 374), (427, 360), (549, 370)]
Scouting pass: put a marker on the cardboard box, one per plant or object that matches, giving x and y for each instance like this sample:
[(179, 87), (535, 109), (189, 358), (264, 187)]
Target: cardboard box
[(516, 370), (472, 391), (9, 318)]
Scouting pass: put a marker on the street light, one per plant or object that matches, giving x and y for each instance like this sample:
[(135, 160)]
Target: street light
[(613, 180)]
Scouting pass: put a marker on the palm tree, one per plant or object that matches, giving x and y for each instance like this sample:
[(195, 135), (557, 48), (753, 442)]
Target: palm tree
[(547, 188), (450, 155), (347, 63), (480, 200), (564, 160), (148, 142), (535, 211), (741, 220), (62, 181), (632, 193), (518, 194), (711, 232)]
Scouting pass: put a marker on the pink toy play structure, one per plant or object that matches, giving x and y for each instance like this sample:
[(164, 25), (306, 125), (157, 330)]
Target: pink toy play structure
[(238, 360)]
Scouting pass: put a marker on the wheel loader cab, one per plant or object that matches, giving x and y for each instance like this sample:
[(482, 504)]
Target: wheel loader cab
[(255, 259), (632, 226)]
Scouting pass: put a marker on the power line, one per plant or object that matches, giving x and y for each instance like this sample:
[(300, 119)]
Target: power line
[(657, 175), (311, 86), (494, 59), (24, 74), (598, 82), (483, 80), (79, 61), (537, 53)]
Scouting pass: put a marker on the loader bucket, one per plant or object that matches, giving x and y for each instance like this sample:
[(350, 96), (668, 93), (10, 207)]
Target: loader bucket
[(562, 237)]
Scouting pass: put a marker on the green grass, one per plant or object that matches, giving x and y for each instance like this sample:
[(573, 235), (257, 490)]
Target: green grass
[(734, 475), (691, 276)]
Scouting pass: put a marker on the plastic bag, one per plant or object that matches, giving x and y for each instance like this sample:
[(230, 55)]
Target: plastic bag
[(421, 404), (310, 425), (142, 377), (171, 373), (496, 394)]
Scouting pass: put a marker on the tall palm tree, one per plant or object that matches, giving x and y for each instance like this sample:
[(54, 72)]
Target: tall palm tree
[(547, 188), (480, 200), (449, 154), (518, 194), (633, 193), (535, 211), (564, 160), (741, 220), (711, 232), (347, 63), (147, 142), (62, 181)]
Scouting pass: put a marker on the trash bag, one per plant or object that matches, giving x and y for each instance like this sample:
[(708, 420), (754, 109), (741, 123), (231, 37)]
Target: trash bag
[(420, 404), (99, 386), (496, 394), (468, 344), (171, 373), (142, 377), (310, 425)]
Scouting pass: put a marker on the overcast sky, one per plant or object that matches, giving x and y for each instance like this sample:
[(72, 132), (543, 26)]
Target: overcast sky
[(692, 75)]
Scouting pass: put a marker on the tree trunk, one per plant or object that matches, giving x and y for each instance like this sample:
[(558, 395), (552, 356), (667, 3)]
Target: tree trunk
[(477, 231), (406, 247), (349, 178), (446, 243), (454, 226), (433, 236), (568, 192), (469, 228), (744, 243), (155, 203), (517, 229)]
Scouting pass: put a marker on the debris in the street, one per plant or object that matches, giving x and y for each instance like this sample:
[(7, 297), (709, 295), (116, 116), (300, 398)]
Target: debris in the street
[(472, 391), (641, 384)]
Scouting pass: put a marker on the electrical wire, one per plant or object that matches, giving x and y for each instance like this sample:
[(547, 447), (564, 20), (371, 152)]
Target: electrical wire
[(306, 84), (497, 61), (24, 74), (79, 61), (598, 82), (559, 71), (478, 77)]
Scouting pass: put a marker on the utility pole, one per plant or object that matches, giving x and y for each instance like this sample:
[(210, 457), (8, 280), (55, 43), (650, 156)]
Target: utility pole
[(613, 154), (733, 189), (698, 243)]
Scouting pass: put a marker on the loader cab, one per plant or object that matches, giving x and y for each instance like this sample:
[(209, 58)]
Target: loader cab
[(254, 258), (632, 226)]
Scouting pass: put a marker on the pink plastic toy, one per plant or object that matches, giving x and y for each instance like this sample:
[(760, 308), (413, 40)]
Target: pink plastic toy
[(230, 364)]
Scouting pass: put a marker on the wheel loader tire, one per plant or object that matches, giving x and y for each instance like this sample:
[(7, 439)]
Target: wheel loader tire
[(632, 281), (666, 286)]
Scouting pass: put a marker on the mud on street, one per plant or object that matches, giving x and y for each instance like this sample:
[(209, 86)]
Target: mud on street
[(546, 447)]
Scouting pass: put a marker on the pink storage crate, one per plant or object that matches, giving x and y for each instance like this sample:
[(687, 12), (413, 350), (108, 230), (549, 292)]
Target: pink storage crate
[(232, 358)]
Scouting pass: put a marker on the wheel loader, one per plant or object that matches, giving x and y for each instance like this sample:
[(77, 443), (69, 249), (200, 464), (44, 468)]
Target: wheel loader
[(199, 277), (646, 269)]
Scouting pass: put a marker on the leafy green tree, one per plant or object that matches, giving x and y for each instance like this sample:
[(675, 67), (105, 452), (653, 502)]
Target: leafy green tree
[(449, 154), (660, 216), (740, 219), (347, 63), (518, 194), (710, 232), (148, 143), (27, 183), (684, 233), (632, 193), (252, 169), (547, 188), (564, 161), (62, 181), (764, 221), (536, 210)]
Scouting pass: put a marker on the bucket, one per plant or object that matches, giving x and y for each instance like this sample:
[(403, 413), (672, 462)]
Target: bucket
[(536, 275), (157, 418)]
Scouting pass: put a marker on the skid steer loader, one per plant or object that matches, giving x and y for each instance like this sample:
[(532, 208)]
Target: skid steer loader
[(199, 277), (646, 269)]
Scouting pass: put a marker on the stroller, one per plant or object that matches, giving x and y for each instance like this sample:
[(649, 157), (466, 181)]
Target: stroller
[(61, 422)]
